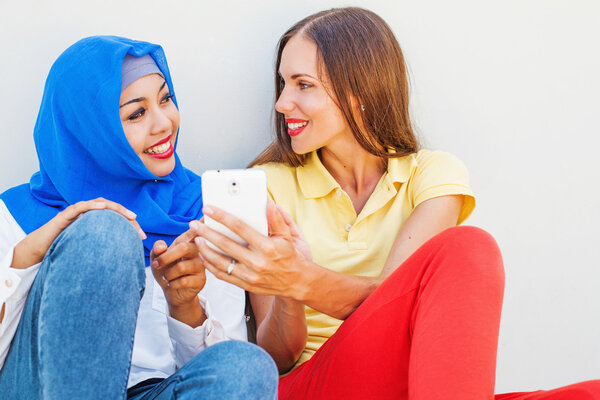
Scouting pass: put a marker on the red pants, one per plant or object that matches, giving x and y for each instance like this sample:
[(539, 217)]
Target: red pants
[(430, 331)]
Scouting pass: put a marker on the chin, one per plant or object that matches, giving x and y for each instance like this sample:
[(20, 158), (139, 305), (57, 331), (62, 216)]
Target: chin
[(301, 150), (163, 170)]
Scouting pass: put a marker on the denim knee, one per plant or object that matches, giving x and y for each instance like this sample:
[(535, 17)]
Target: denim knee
[(240, 370), (102, 243)]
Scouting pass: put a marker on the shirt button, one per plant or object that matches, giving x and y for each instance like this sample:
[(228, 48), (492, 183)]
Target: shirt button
[(348, 227), (338, 193), (8, 283)]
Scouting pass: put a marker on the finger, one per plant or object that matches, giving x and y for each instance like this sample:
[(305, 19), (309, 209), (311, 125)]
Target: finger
[(111, 205), (176, 253), (130, 215), (196, 281), (233, 278), (236, 225), (289, 221), (224, 243), (276, 221), (158, 248), (160, 279), (255, 239), (73, 212), (183, 268), (187, 236)]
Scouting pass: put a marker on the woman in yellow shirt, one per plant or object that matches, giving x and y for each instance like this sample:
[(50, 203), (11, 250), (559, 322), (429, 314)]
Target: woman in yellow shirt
[(386, 297)]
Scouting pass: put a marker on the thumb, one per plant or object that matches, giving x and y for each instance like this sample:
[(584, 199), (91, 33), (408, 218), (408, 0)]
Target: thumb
[(159, 247), (276, 221)]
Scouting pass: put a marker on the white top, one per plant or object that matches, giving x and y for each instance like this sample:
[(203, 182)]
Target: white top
[(223, 303)]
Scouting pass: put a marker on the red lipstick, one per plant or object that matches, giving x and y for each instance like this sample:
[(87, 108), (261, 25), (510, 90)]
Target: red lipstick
[(168, 153), (296, 131)]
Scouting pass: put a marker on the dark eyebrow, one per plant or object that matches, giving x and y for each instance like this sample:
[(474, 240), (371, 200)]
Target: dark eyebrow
[(132, 101), (141, 98), (296, 76)]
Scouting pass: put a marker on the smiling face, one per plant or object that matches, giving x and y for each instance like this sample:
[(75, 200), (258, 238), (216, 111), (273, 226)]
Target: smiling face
[(313, 118), (150, 122)]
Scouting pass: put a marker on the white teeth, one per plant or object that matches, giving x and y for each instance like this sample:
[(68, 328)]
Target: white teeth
[(160, 148), (296, 125)]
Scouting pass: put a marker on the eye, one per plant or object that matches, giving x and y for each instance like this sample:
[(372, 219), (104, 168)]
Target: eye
[(167, 98), (304, 85), (137, 114)]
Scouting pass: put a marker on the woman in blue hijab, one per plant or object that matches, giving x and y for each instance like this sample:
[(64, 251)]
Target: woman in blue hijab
[(73, 268)]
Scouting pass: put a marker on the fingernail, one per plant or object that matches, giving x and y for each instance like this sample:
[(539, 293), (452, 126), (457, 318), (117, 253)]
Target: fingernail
[(194, 225), (130, 214), (208, 210), (154, 264), (142, 234)]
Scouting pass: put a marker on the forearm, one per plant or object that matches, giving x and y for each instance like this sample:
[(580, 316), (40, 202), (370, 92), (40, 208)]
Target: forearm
[(25, 254), (336, 294), (283, 332)]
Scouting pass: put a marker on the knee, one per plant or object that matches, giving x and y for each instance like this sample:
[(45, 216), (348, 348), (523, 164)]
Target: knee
[(471, 250), (101, 243), (588, 390), (240, 369), (104, 227)]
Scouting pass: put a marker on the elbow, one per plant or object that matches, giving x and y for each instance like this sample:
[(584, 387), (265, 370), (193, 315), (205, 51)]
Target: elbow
[(285, 362), (284, 353)]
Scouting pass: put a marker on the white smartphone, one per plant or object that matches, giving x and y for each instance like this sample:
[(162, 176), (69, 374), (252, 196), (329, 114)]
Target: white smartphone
[(240, 192)]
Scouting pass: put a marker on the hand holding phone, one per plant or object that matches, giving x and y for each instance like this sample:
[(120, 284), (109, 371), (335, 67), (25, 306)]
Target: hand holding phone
[(241, 193)]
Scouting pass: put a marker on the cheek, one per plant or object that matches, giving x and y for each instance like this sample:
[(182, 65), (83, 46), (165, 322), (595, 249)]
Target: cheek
[(135, 136), (173, 115)]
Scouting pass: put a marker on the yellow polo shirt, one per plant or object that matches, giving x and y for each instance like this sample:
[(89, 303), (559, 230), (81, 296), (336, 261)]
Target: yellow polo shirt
[(359, 245)]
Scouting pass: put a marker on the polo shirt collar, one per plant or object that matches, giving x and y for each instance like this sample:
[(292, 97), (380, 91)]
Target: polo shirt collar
[(315, 181), (399, 169)]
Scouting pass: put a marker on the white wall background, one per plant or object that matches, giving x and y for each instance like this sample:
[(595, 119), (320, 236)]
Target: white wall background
[(511, 87)]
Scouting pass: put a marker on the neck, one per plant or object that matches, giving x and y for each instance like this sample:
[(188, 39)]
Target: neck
[(356, 170)]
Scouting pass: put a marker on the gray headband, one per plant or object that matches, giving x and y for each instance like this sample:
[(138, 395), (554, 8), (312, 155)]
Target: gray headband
[(136, 67)]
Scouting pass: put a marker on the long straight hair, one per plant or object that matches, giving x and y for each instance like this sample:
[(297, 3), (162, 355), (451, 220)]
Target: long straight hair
[(360, 55)]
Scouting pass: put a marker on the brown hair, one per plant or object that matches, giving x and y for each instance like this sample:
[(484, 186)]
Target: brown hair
[(362, 58)]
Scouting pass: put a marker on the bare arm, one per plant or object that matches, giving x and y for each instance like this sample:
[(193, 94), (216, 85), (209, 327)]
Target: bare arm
[(427, 220), (281, 328)]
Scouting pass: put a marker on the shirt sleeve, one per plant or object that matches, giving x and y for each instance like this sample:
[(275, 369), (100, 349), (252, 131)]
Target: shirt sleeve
[(188, 341), (442, 174), (14, 283)]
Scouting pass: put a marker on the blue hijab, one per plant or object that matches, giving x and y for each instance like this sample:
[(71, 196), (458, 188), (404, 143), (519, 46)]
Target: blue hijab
[(83, 152)]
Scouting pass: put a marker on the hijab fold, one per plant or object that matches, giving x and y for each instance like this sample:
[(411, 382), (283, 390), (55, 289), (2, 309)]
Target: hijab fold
[(83, 152)]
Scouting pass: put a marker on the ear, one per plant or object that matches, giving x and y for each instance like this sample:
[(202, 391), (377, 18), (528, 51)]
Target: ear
[(358, 109)]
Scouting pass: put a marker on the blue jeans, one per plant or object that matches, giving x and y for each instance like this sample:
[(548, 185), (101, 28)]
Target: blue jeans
[(75, 335)]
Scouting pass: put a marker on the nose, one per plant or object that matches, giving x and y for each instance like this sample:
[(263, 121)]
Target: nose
[(285, 103), (161, 121)]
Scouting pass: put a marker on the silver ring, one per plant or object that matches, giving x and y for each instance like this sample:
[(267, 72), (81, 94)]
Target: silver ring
[(231, 267)]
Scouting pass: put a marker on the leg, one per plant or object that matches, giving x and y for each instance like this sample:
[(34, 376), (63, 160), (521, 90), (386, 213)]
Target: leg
[(76, 332), (227, 370), (589, 390), (430, 331)]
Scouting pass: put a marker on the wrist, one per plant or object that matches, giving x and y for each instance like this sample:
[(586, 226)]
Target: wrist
[(24, 255), (190, 313), (308, 284)]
